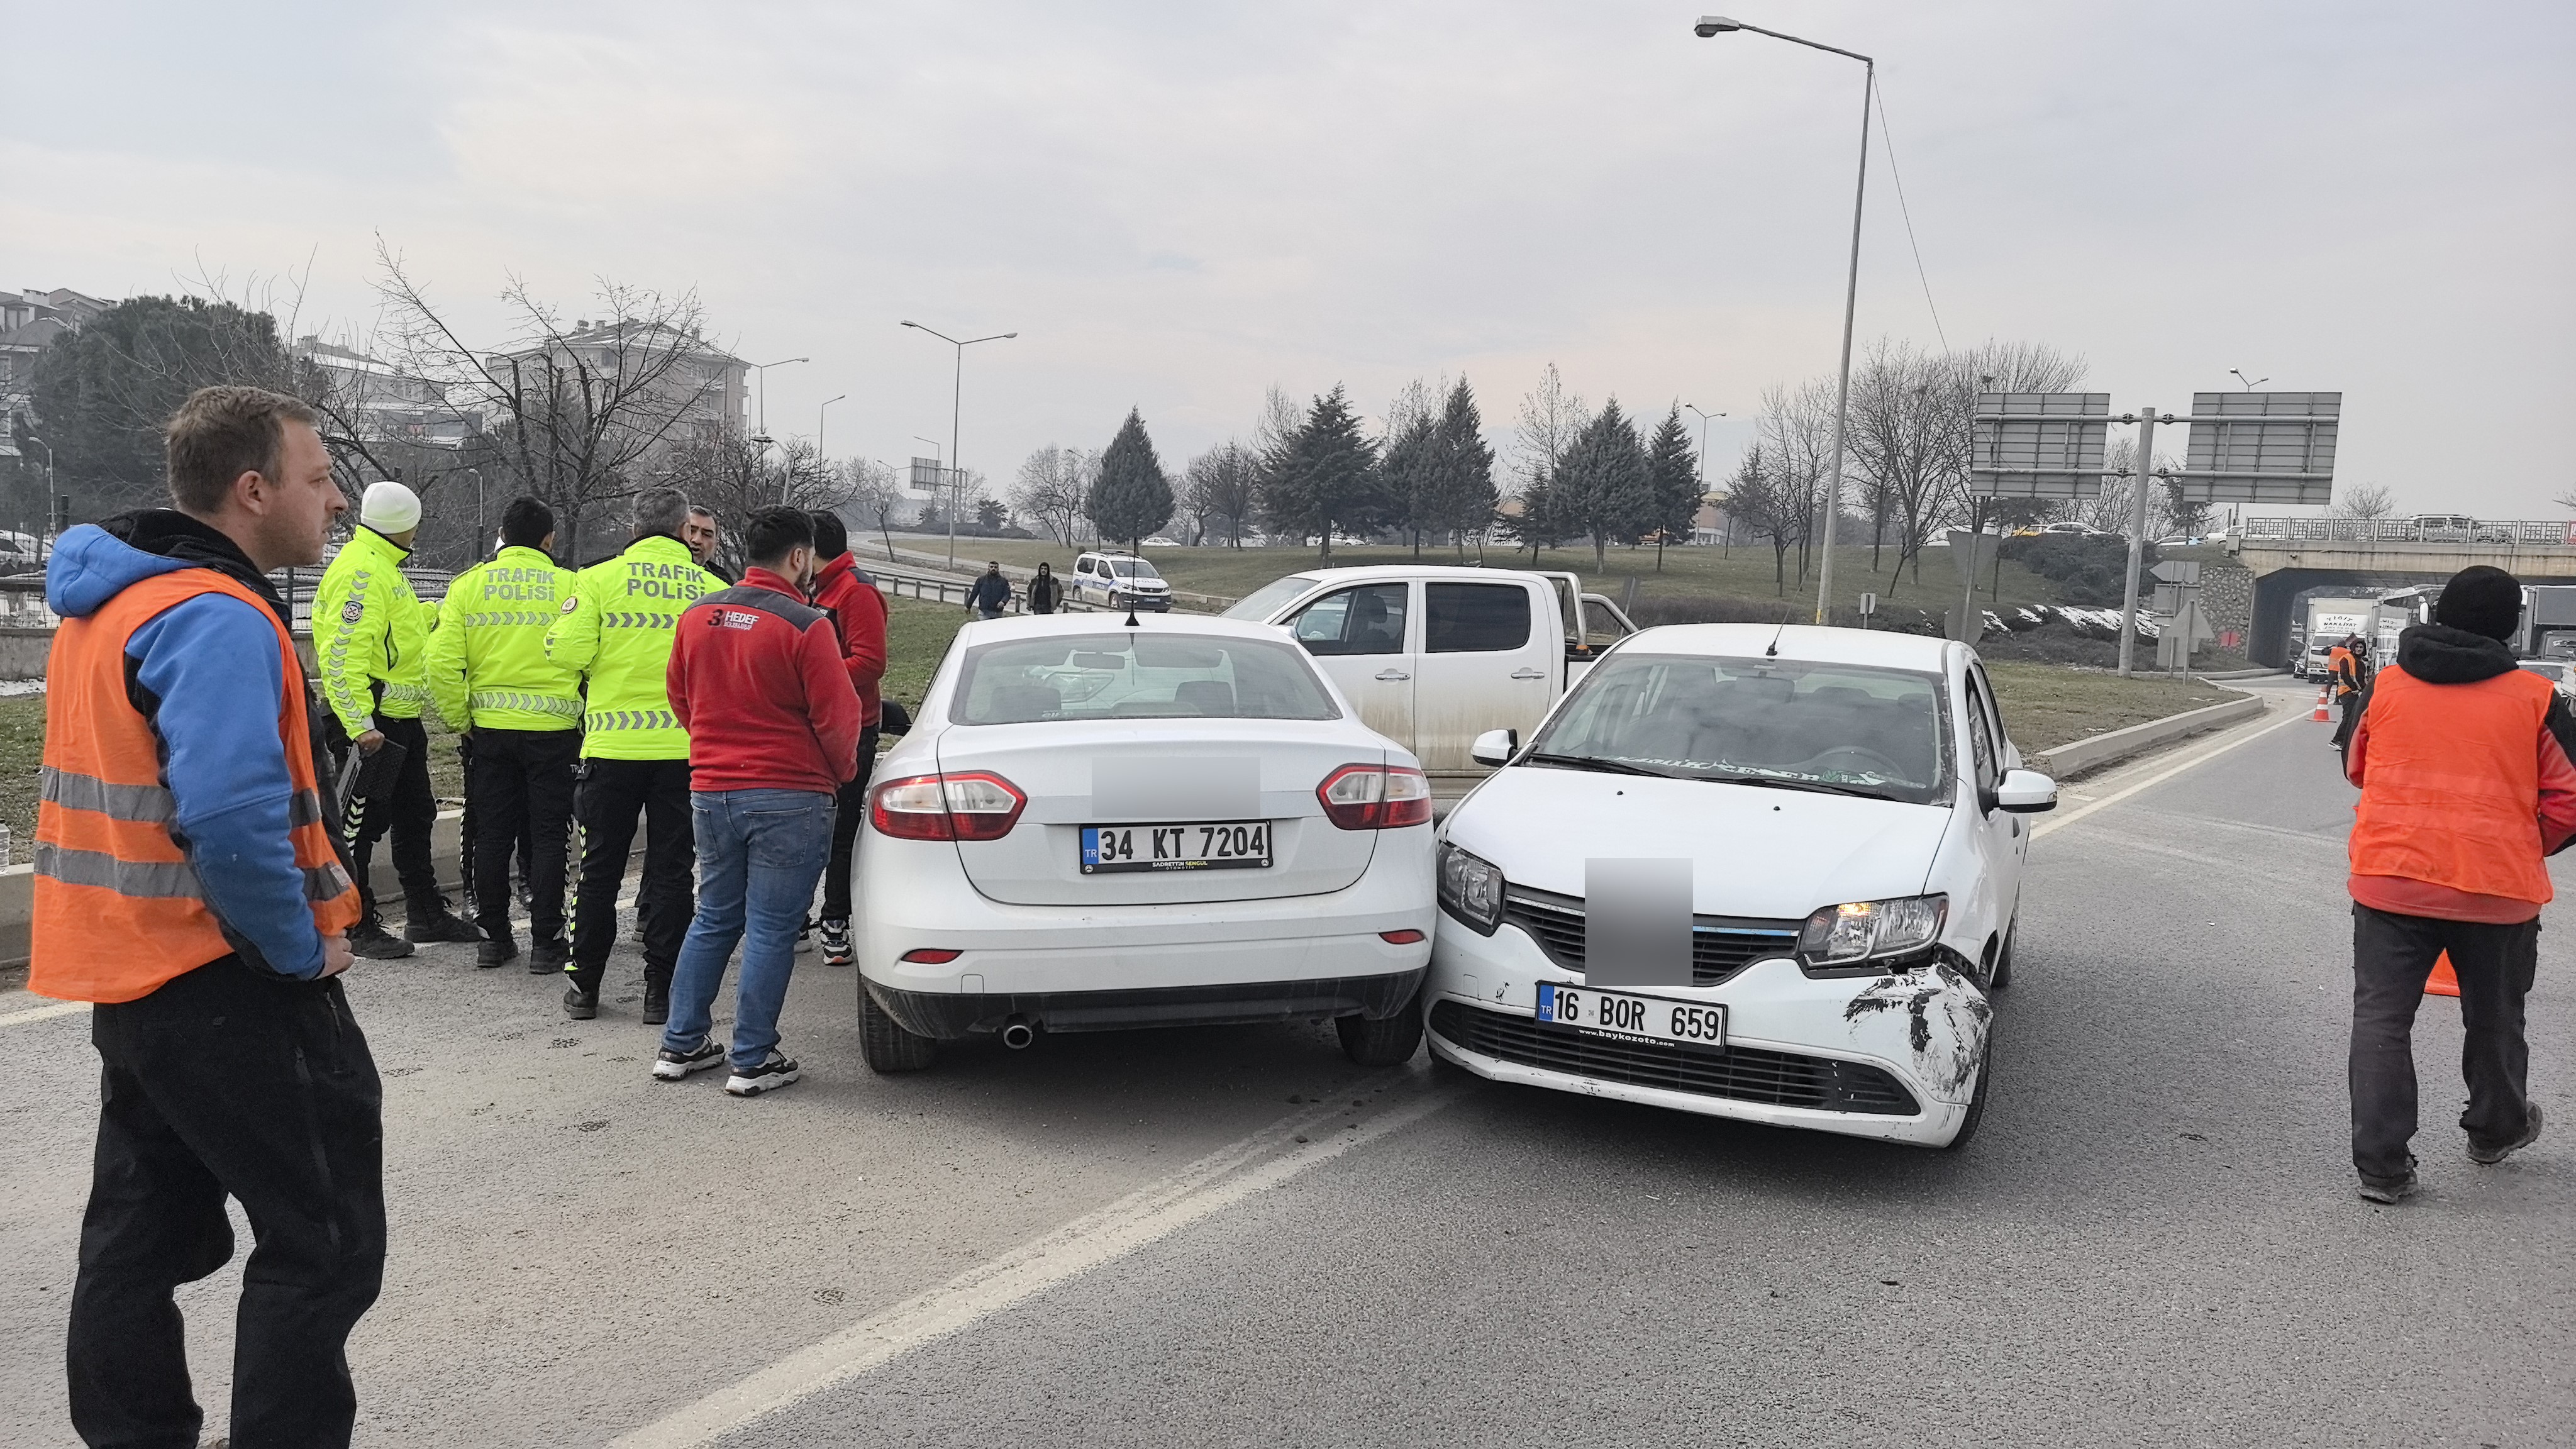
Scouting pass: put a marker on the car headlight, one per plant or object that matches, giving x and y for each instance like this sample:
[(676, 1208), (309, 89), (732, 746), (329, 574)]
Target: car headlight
[(1471, 889), (1861, 931)]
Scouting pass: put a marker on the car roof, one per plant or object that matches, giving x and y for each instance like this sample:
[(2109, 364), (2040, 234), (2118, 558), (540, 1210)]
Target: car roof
[(1807, 642), (1364, 572), (1105, 621)]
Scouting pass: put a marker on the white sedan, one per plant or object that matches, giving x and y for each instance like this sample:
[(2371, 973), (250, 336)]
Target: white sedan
[(1095, 826), (1749, 871)]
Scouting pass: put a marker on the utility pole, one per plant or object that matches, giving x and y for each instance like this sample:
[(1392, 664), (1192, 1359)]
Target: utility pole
[(2146, 474), (956, 407)]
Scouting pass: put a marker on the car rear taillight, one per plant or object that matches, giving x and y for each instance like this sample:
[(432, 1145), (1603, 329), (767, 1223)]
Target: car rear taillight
[(974, 805), (1376, 797)]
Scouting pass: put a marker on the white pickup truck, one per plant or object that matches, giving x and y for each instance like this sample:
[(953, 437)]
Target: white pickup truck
[(1433, 656)]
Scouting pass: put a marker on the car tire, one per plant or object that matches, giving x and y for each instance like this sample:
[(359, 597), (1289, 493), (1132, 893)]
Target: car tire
[(1976, 1117), (1999, 975), (887, 1047), (1388, 1043)]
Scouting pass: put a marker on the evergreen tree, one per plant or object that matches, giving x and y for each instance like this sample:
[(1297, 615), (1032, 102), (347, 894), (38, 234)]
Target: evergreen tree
[(1603, 490), (1672, 475), (1324, 476), (1465, 497), (1132, 497), (1412, 469)]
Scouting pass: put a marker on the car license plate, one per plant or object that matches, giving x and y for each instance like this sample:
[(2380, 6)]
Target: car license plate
[(1200, 845), (1651, 1018)]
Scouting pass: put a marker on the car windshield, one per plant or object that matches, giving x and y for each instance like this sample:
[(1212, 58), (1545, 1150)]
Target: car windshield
[(1262, 602), (1133, 568), (1846, 728), (1137, 675)]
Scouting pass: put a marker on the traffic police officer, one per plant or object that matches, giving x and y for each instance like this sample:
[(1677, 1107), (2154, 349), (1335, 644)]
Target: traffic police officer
[(370, 642), (490, 676), (615, 631)]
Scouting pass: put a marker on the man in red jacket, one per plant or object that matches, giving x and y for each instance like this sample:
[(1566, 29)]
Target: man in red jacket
[(2466, 788), (757, 680), (858, 612)]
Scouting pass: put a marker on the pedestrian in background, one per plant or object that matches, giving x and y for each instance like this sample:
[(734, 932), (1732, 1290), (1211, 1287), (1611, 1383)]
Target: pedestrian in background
[(187, 882), (991, 593), (493, 681), (758, 678), (2467, 785), (370, 642), (2345, 671), (850, 599), (1045, 594), (615, 632), (702, 535)]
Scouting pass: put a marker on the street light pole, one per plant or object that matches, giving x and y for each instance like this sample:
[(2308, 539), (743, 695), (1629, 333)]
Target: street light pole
[(956, 407), (762, 426), (1833, 501), (1704, 416)]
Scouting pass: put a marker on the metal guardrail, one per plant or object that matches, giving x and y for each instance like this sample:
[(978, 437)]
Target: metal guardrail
[(2505, 532)]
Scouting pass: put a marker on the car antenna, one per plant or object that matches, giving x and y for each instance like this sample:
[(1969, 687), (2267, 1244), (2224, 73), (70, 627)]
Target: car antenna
[(1772, 649), (1131, 613)]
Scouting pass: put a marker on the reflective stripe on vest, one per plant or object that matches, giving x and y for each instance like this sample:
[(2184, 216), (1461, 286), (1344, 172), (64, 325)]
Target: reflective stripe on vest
[(119, 907), (630, 719), (522, 700), (2450, 790)]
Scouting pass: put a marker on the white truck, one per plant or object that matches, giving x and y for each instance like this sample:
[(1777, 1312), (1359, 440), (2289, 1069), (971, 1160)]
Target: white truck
[(2328, 621), (1433, 655)]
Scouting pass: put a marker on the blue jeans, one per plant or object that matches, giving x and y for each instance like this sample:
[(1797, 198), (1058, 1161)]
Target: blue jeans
[(759, 854)]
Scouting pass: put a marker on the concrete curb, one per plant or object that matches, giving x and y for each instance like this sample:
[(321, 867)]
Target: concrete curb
[(2247, 674), (2083, 757)]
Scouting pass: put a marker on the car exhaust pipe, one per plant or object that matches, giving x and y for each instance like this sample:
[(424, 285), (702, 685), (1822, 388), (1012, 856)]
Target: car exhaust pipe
[(1017, 1033)]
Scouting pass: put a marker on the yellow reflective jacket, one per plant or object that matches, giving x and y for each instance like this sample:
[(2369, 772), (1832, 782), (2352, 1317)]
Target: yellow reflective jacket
[(615, 631), (368, 630), (488, 666)]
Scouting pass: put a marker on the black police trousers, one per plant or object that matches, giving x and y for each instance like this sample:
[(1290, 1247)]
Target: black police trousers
[(606, 801), (519, 784)]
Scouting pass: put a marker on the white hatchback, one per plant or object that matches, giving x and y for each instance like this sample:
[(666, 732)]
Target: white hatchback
[(1745, 870), (1095, 826)]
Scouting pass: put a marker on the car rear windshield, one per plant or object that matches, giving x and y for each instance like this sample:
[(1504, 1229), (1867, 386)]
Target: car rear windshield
[(1854, 728), (1262, 602), (1137, 675)]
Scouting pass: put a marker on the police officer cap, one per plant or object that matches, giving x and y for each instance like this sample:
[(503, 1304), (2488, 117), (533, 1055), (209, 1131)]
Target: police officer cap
[(389, 508)]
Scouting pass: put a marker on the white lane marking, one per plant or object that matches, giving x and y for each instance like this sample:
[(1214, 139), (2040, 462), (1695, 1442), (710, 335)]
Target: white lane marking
[(2202, 757), (43, 1013), (1136, 1221)]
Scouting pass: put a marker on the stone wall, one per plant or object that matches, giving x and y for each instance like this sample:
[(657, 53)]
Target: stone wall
[(2227, 601)]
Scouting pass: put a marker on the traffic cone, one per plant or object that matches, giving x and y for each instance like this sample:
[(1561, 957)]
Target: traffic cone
[(2320, 715), (2444, 981)]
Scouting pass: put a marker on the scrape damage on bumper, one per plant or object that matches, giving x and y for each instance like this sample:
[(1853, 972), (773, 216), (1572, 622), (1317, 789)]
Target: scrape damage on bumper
[(1947, 1058)]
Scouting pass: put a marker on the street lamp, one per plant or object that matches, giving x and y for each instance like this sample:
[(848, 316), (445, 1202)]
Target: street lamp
[(1704, 416), (820, 414), (1718, 25), (762, 428), (2251, 383), (956, 401)]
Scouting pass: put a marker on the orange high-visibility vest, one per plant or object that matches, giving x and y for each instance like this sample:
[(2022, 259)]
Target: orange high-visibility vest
[(119, 910), (2450, 790)]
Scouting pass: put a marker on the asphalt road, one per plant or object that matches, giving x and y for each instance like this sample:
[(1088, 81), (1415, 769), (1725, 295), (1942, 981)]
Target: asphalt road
[(1234, 1237)]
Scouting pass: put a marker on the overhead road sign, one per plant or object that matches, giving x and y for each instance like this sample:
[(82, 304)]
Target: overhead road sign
[(2260, 447), (2038, 444)]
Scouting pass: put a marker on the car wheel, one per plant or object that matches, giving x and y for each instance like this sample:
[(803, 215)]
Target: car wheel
[(1976, 1105), (1388, 1043), (1999, 975), (885, 1044)]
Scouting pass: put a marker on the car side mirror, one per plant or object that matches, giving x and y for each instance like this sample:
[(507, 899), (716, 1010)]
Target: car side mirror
[(1495, 747), (2026, 792)]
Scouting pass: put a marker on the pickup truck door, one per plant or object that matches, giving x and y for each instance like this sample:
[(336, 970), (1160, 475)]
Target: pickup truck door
[(1488, 662), (1363, 638)]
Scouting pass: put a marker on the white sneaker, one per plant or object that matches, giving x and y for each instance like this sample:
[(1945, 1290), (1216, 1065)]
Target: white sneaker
[(769, 1076), (671, 1066)]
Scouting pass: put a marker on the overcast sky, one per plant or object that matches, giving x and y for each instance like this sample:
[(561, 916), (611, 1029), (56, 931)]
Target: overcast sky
[(1178, 204)]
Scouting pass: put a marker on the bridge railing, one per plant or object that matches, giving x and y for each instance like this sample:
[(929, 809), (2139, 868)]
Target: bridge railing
[(2505, 532)]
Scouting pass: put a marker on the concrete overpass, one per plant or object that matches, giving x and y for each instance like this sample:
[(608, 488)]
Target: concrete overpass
[(2290, 556)]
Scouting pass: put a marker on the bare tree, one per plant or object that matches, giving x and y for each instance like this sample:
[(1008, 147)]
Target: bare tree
[(1771, 507), (1221, 485), (873, 497), (584, 411), (737, 476), (1050, 489), (1550, 420), (2369, 500), (1796, 430)]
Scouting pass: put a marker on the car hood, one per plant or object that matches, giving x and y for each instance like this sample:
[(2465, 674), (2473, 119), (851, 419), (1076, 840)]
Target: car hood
[(1755, 852)]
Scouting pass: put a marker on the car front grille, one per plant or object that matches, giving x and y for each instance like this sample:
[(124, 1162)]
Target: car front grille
[(1744, 1074), (1720, 945)]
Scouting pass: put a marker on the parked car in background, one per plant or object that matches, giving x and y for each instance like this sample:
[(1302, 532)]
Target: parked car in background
[(1822, 829), (1116, 580), (1434, 655), (1158, 541), (1093, 827), (2443, 527)]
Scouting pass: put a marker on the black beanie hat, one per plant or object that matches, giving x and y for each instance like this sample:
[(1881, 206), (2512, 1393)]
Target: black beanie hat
[(2482, 600)]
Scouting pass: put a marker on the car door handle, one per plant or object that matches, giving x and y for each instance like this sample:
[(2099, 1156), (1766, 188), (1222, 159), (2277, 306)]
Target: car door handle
[(1526, 673), (1392, 675)]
